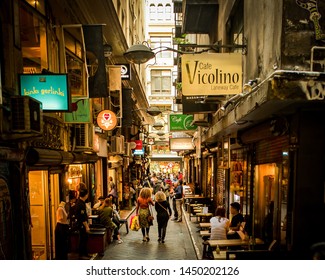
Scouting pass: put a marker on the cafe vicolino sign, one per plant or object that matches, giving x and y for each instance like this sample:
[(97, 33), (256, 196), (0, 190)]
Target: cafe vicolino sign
[(211, 74)]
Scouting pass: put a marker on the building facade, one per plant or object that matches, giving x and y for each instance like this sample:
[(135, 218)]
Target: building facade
[(264, 145), (45, 151)]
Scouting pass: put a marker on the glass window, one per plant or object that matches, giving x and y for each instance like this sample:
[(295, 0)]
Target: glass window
[(33, 41), (75, 67), (75, 63), (161, 82), (160, 11), (168, 12), (157, 42), (152, 12)]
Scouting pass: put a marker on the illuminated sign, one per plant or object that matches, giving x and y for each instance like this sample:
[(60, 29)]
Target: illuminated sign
[(181, 144), (51, 90), (138, 152), (107, 120), (211, 74)]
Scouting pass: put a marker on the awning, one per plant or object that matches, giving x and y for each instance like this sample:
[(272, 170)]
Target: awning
[(40, 157)]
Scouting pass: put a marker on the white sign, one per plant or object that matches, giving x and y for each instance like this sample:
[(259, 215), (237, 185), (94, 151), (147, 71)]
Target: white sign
[(181, 144), (211, 74)]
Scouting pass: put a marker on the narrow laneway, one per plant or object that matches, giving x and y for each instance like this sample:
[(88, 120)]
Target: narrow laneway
[(178, 245)]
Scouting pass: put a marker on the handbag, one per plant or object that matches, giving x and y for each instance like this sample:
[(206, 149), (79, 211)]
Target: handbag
[(134, 223), (150, 218)]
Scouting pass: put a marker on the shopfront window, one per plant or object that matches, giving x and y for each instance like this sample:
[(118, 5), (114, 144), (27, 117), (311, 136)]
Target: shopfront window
[(75, 64), (33, 40), (266, 193)]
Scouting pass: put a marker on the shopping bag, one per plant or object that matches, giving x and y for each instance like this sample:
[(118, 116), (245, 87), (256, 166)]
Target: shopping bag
[(134, 223)]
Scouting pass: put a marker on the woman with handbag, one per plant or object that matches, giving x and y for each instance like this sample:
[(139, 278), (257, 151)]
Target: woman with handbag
[(143, 211), (163, 213)]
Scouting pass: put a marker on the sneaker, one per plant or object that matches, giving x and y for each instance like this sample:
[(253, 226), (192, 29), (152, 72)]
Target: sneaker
[(120, 241)]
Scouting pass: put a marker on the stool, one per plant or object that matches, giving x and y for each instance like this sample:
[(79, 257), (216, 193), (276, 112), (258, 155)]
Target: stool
[(96, 242), (125, 221)]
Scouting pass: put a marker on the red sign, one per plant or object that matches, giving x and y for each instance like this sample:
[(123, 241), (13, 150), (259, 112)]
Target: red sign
[(137, 146)]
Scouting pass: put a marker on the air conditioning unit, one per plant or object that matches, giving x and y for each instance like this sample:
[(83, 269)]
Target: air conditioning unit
[(81, 136), (117, 145), (128, 150), (26, 115), (201, 120)]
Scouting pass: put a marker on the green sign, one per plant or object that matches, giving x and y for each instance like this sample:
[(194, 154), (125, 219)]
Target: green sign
[(81, 113), (178, 122)]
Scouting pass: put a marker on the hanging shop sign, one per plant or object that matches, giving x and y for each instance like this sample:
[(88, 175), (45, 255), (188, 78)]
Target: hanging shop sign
[(139, 152), (81, 112), (179, 122), (107, 120), (125, 71), (51, 90), (138, 144), (211, 74), (181, 144)]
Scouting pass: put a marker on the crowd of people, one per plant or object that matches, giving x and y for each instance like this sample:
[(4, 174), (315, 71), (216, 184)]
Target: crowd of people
[(163, 194)]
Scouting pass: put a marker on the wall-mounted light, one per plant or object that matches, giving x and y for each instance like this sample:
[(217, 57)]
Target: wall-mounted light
[(152, 111), (158, 125), (139, 54)]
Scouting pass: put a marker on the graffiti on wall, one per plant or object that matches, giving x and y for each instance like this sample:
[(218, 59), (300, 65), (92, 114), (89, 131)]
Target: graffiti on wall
[(312, 7), (313, 90)]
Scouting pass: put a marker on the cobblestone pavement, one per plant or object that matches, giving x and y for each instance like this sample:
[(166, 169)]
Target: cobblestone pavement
[(179, 243)]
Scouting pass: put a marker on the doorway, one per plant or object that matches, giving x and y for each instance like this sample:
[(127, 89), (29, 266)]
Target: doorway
[(44, 199)]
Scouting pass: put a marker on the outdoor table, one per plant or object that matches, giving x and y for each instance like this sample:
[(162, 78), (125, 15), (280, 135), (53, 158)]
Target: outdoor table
[(203, 216), (204, 225), (233, 242), (205, 233)]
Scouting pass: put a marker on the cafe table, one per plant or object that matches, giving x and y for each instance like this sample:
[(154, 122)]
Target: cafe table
[(233, 242), (204, 225), (205, 233), (203, 216), (228, 243)]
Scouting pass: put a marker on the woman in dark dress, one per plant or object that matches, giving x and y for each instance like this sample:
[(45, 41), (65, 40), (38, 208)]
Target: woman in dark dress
[(163, 213)]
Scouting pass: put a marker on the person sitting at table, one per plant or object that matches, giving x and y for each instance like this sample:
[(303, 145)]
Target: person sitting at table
[(219, 224), (99, 202), (106, 215), (219, 227), (237, 219)]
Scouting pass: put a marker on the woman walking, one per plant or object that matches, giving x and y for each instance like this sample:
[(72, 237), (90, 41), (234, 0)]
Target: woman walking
[(163, 213), (143, 211)]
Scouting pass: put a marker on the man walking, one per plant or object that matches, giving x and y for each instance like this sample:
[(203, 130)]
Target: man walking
[(179, 200)]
